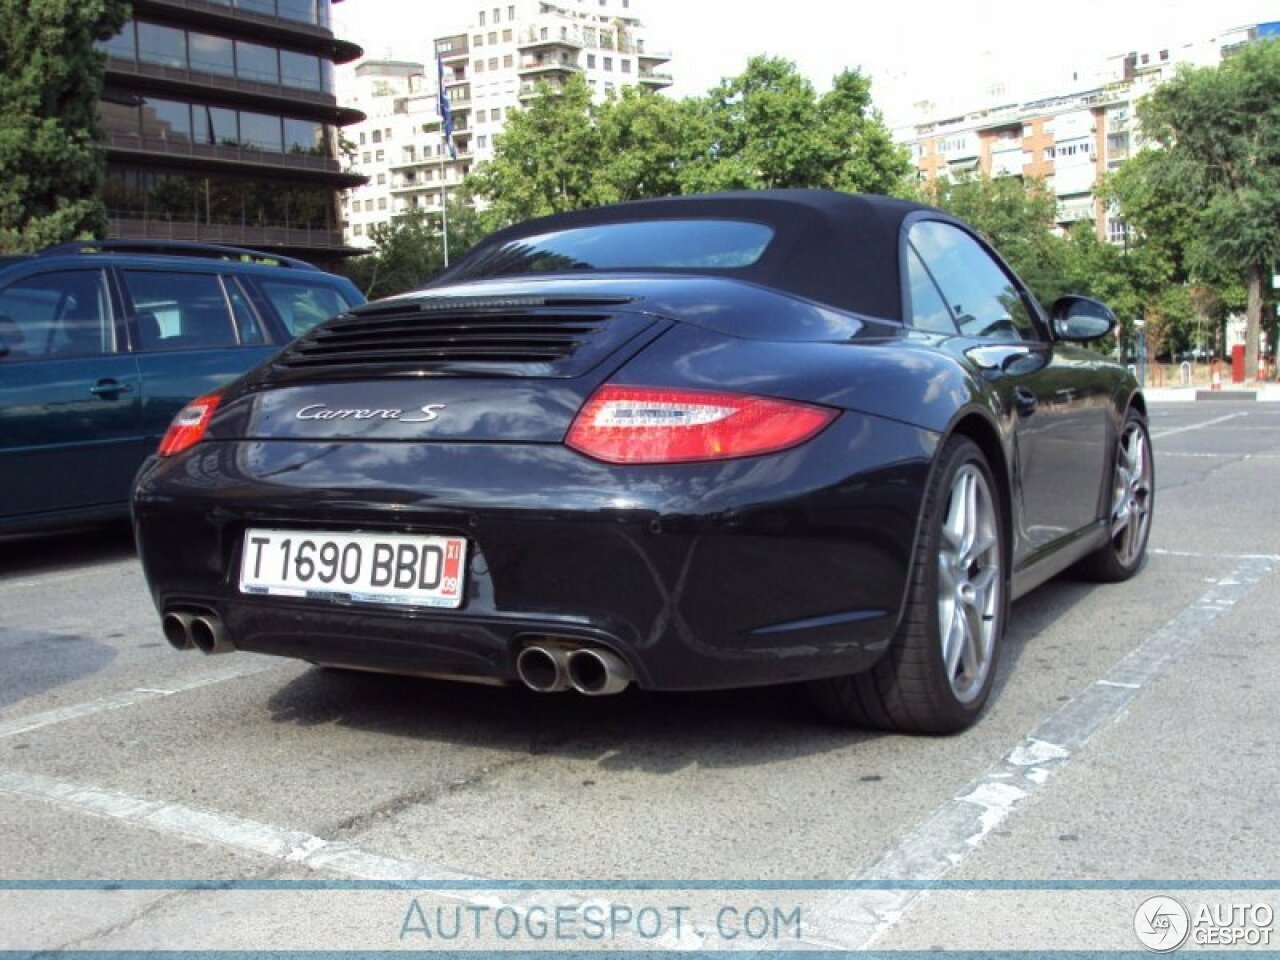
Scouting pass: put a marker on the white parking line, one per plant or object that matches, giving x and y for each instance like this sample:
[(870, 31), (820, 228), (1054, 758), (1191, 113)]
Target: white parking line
[(1196, 426), (243, 836), (129, 698), (1199, 555), (858, 919)]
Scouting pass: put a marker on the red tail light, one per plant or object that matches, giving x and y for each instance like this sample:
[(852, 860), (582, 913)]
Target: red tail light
[(189, 425), (659, 425)]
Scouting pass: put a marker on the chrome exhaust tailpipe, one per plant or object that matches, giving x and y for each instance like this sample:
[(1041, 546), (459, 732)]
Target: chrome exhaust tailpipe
[(208, 635), (177, 630), (598, 673), (543, 669)]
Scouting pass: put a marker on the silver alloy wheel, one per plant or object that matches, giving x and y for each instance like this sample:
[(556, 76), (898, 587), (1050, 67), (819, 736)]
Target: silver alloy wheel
[(970, 583), (1131, 495)]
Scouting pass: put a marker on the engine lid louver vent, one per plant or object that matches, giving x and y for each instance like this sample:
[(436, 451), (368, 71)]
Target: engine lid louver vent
[(483, 338)]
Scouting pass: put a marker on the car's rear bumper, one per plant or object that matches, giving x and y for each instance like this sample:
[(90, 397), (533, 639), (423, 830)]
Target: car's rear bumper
[(745, 572)]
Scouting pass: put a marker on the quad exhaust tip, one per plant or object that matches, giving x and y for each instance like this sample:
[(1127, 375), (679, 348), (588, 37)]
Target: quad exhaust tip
[(591, 671), (201, 631), (598, 673)]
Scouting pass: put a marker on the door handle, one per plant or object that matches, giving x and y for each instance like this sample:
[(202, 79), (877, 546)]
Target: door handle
[(110, 389), (1025, 401)]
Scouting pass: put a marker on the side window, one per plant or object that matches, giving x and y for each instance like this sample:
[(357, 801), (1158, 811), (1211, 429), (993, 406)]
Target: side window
[(984, 299), (246, 320), (928, 310), (302, 305), (56, 315), (180, 311)]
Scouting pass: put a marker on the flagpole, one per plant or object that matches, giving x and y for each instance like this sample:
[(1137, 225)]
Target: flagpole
[(444, 206), (446, 146)]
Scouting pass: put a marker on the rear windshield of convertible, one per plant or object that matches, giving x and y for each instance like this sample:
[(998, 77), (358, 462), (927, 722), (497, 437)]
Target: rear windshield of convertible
[(638, 245)]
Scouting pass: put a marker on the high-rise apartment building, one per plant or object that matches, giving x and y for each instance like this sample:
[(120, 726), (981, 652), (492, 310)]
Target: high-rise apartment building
[(1070, 140), (488, 71), (220, 124)]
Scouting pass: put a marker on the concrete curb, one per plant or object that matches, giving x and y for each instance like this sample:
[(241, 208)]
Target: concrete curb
[(1266, 393)]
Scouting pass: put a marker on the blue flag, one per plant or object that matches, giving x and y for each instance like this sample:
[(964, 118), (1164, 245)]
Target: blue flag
[(446, 114)]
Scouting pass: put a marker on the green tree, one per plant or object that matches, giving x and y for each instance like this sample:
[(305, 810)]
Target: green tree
[(1219, 130), (765, 128), (545, 159), (409, 250), (51, 171), (1016, 217), (768, 128)]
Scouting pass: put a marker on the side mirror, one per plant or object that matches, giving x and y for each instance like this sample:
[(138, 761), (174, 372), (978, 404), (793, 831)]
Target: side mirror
[(1081, 319)]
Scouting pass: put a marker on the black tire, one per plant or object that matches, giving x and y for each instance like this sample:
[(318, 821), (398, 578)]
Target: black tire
[(1126, 548), (910, 689)]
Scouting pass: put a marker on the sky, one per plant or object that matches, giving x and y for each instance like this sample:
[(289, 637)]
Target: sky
[(939, 50)]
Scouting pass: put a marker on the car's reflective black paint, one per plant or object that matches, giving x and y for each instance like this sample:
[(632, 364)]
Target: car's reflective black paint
[(789, 566)]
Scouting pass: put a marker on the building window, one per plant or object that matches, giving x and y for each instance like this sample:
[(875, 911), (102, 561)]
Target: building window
[(478, 40), (608, 63), (508, 61), (511, 13), (626, 66), (478, 66), (382, 203), (497, 14), (256, 62), (362, 138), (493, 37), (261, 130), (482, 18), (591, 61), (382, 179), (164, 46), (358, 230), (210, 54), (366, 157), (493, 63), (506, 36), (380, 156), (377, 136)]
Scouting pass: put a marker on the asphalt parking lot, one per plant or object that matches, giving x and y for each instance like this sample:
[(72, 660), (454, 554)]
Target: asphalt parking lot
[(1132, 737)]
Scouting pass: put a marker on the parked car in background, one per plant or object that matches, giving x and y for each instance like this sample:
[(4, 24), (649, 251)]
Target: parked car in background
[(102, 343)]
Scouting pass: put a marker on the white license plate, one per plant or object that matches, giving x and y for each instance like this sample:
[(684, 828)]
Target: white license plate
[(365, 567)]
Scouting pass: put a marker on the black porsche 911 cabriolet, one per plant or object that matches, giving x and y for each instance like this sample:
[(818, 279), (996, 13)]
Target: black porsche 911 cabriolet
[(712, 441)]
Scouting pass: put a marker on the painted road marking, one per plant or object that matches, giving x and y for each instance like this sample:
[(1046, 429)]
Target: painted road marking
[(1198, 555), (1196, 426), (243, 836), (858, 919), (129, 698)]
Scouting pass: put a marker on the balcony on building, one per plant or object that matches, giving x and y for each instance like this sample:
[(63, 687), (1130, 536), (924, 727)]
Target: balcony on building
[(547, 67), (301, 24), (654, 79)]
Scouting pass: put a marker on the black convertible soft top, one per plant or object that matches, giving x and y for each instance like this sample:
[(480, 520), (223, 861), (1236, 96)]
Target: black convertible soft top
[(837, 248)]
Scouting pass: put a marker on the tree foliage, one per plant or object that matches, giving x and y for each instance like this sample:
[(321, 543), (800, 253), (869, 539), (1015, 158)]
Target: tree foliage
[(1218, 130), (50, 79), (1016, 217), (409, 250), (765, 128)]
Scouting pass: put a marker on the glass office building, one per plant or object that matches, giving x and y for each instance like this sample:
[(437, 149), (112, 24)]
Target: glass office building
[(220, 124)]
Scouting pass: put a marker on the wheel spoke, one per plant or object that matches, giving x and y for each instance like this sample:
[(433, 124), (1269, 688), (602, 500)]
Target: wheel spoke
[(954, 643)]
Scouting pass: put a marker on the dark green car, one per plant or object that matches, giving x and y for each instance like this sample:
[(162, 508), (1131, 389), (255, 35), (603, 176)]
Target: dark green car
[(101, 344)]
